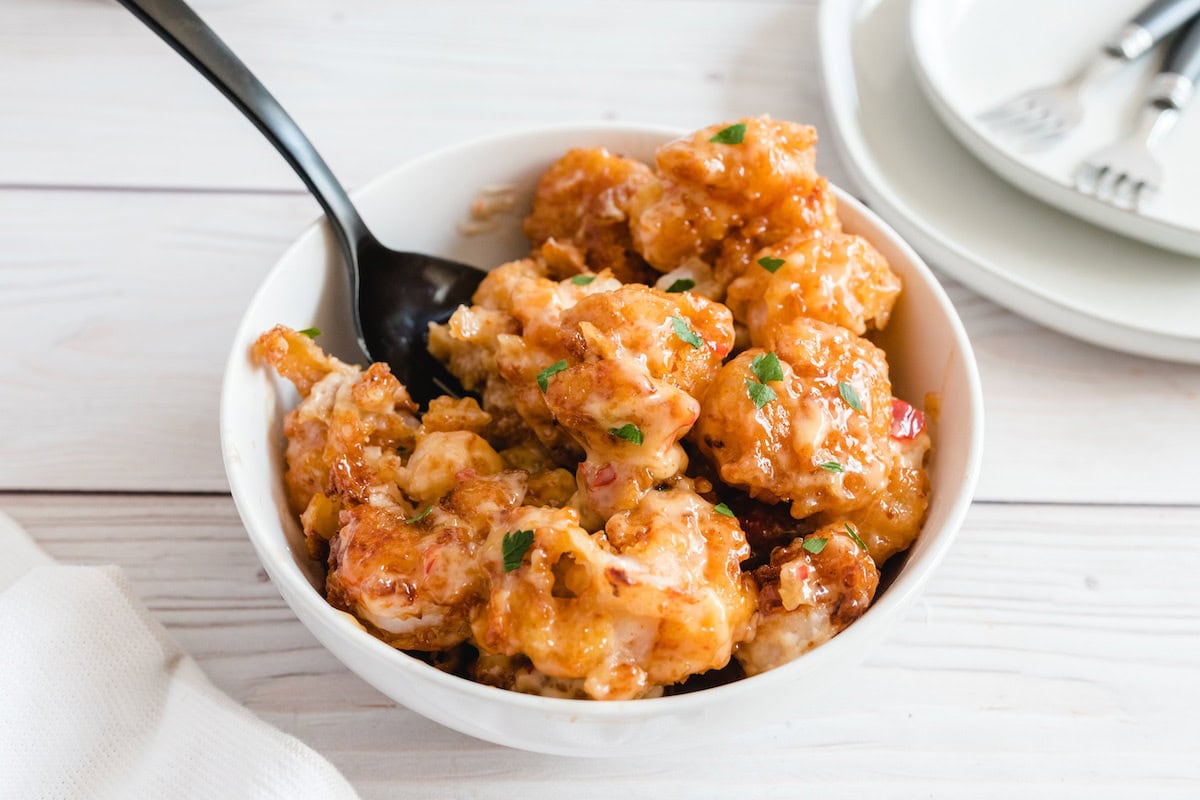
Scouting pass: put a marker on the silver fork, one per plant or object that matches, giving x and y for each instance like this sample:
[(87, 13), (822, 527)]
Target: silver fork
[(1041, 116), (1126, 173)]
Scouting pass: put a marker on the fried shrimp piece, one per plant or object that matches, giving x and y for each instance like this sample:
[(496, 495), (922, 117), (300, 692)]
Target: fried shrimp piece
[(707, 191), (298, 358), (680, 338), (629, 425), (344, 435), (831, 277), (539, 304), (891, 521), (500, 344), (455, 414), (444, 458), (646, 354), (822, 442), (582, 202), (805, 211), (774, 159), (654, 598), (812, 589), (414, 580)]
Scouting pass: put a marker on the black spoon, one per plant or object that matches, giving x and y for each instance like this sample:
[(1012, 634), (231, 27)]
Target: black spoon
[(395, 294)]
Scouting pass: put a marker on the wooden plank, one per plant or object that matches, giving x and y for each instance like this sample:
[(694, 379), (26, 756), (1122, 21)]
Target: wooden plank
[(120, 307), (1053, 654), (1066, 421), (126, 303), (90, 98)]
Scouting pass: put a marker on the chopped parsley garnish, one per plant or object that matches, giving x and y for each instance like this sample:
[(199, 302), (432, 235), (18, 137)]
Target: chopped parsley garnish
[(583, 280), (543, 377), (684, 333), (850, 395), (766, 367), (854, 536), (760, 393), (629, 432), (814, 545), (420, 516), (831, 466), (514, 547), (681, 285), (721, 508), (311, 333), (771, 265), (734, 134)]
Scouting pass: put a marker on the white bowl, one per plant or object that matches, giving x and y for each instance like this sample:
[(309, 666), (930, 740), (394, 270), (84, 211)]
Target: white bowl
[(418, 206)]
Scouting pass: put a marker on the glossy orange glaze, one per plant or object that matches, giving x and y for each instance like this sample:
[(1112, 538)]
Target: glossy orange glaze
[(831, 277), (416, 582), (718, 202), (641, 324), (656, 596), (775, 452)]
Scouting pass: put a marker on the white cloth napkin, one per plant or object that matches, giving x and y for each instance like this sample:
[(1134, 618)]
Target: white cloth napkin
[(97, 700)]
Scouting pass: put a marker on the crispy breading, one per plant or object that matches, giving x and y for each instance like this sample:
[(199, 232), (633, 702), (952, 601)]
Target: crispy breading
[(415, 581), (656, 597), (806, 597), (582, 202), (718, 202), (830, 277), (344, 434), (776, 452)]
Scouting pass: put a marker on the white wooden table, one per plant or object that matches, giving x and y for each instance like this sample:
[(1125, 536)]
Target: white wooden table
[(1056, 653)]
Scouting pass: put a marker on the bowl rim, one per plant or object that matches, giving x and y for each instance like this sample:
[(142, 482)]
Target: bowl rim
[(295, 587)]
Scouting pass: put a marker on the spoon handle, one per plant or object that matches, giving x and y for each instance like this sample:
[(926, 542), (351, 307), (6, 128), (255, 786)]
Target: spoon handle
[(179, 27)]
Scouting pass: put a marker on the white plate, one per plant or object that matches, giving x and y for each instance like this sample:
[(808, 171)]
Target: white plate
[(1051, 267), (970, 55)]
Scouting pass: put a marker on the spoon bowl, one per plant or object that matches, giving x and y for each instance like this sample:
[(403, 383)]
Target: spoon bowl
[(398, 295)]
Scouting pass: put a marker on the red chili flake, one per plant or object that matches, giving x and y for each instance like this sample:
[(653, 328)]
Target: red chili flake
[(617, 576), (605, 475), (431, 557), (907, 422)]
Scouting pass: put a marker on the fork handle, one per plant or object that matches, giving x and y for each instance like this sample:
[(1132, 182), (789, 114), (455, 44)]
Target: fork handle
[(1151, 25), (1174, 86)]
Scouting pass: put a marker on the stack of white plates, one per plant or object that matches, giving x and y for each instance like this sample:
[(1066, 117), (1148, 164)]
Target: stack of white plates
[(905, 81)]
